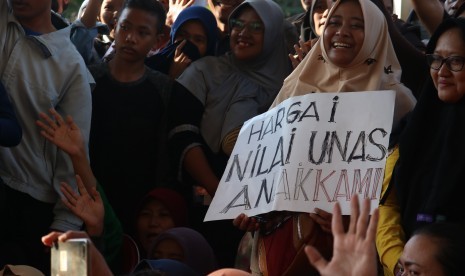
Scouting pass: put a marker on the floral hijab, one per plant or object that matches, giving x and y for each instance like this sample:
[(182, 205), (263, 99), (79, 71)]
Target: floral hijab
[(374, 68)]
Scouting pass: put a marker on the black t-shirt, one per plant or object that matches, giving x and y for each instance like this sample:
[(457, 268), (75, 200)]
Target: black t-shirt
[(128, 127)]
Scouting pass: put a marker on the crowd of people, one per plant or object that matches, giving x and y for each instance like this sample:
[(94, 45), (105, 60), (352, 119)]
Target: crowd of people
[(117, 128)]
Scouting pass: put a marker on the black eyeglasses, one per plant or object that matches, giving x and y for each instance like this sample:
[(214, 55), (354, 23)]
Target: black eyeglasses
[(453, 63), (253, 27)]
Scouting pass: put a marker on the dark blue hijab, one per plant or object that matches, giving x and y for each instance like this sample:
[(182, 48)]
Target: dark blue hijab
[(162, 60)]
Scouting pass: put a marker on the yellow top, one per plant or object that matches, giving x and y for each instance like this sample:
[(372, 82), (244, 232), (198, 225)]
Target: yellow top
[(390, 237)]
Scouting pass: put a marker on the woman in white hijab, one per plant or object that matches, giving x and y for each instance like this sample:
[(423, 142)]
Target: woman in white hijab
[(373, 67)]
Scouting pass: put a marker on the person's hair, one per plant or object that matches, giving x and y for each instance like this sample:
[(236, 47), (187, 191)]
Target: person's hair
[(450, 241), (442, 28), (154, 8)]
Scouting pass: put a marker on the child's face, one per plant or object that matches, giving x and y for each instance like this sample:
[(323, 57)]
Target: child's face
[(153, 219), (109, 13), (344, 33), (135, 35)]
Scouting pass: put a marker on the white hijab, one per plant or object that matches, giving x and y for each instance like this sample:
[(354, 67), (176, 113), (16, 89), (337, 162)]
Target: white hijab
[(374, 68)]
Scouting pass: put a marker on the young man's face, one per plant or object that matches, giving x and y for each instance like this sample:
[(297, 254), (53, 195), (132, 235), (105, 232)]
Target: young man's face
[(27, 10), (136, 34)]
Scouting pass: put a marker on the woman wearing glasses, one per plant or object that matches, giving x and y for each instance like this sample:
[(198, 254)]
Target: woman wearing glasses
[(427, 181), (215, 96), (354, 53)]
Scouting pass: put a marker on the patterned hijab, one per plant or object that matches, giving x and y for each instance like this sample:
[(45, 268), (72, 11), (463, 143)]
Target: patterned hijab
[(162, 61), (198, 253), (374, 68)]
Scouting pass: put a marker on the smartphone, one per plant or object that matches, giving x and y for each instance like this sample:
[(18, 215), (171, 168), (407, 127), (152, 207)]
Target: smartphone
[(70, 258)]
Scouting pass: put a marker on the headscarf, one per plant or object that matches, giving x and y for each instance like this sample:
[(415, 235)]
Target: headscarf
[(374, 68), (167, 266), (234, 91), (272, 66), (198, 253), (308, 28), (430, 171), (163, 60), (204, 17)]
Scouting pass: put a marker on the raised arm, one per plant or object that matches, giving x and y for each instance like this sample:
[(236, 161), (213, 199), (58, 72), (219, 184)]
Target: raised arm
[(87, 205), (412, 61), (67, 136), (89, 18), (430, 12), (176, 6), (354, 251)]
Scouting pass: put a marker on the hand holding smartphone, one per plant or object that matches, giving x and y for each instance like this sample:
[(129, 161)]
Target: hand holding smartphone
[(70, 257)]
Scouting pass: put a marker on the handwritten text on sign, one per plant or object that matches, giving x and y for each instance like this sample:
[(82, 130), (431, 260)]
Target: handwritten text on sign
[(309, 151)]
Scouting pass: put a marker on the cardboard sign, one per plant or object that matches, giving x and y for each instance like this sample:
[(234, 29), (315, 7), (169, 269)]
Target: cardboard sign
[(309, 151)]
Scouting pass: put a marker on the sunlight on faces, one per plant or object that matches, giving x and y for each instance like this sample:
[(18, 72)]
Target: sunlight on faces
[(247, 44), (418, 257), (344, 33), (136, 34), (153, 219), (168, 249), (450, 85), (109, 11), (193, 31)]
